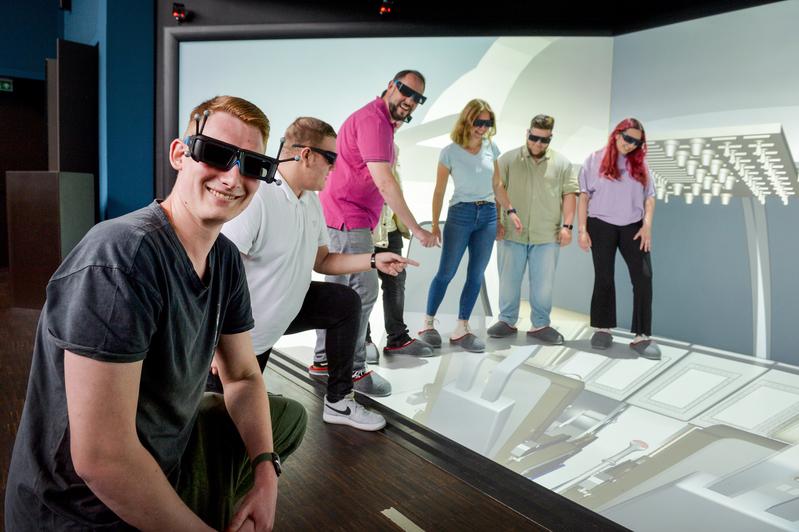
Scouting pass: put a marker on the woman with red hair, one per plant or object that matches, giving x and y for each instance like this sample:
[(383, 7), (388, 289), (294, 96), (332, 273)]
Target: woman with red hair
[(617, 203)]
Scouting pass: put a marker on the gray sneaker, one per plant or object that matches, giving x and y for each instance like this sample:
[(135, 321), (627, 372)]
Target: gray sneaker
[(347, 411), (646, 349), (430, 337), (469, 342), (368, 382), (601, 340), (547, 335), (372, 354), (416, 348), (501, 329)]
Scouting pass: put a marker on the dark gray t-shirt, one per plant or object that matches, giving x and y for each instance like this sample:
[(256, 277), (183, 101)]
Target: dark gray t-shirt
[(127, 292)]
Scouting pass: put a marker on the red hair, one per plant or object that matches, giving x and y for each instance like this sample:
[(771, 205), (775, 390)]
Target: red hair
[(635, 159)]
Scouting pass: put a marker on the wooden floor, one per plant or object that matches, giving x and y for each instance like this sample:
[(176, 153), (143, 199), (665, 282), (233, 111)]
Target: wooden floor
[(339, 479)]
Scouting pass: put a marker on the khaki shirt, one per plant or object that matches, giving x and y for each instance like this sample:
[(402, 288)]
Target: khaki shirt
[(389, 221), (536, 189)]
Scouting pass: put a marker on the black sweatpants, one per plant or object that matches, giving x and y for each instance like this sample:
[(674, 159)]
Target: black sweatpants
[(393, 297), (605, 239), (337, 309)]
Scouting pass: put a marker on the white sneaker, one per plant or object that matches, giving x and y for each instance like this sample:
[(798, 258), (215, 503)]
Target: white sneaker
[(349, 412)]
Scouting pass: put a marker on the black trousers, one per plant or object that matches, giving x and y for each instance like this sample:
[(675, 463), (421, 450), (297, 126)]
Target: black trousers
[(605, 239), (337, 309), (393, 298)]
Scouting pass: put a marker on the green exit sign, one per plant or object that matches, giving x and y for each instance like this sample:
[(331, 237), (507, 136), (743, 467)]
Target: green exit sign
[(6, 85)]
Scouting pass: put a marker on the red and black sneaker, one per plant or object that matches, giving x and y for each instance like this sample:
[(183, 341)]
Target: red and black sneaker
[(318, 369)]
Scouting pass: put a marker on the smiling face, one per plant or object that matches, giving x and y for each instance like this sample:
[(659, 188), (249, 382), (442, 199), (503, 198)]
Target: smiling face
[(623, 145), (399, 105), (211, 195), (477, 133)]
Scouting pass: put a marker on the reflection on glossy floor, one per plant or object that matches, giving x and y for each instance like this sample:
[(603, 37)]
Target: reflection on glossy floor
[(702, 439)]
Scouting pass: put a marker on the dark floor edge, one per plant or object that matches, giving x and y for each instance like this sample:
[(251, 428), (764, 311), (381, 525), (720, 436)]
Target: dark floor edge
[(534, 502)]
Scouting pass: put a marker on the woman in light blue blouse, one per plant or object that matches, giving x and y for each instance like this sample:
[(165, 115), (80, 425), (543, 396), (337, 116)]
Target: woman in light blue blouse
[(471, 221)]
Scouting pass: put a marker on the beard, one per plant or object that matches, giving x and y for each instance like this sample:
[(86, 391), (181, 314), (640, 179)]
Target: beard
[(394, 110), (540, 155)]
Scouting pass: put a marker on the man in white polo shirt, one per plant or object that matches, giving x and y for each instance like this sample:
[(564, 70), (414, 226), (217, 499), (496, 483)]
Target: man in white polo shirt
[(282, 236)]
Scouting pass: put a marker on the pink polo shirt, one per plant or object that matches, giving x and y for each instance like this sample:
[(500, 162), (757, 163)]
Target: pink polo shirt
[(350, 198)]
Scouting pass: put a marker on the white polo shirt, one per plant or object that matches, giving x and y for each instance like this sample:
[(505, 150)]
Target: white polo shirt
[(278, 236)]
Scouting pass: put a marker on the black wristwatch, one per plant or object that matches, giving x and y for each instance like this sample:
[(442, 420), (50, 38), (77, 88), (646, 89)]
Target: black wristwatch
[(568, 226), (373, 261), (510, 211), (263, 457)]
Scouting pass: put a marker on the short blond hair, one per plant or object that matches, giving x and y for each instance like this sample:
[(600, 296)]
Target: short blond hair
[(308, 131), (244, 110), (460, 132)]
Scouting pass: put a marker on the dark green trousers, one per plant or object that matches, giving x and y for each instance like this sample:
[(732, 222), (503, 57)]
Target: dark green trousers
[(215, 469)]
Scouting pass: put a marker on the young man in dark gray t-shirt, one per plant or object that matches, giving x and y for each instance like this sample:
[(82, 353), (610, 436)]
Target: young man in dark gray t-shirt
[(116, 432)]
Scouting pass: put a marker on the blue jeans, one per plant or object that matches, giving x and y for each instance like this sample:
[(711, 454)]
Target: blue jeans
[(542, 260), (467, 225)]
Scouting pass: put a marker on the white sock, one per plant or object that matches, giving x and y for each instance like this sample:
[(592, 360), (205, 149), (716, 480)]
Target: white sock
[(429, 322)]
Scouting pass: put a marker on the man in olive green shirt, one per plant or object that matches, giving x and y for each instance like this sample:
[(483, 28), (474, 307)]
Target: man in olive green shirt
[(543, 190)]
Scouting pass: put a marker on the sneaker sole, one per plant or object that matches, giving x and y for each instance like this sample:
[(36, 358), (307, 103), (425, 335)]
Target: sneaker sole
[(341, 420)]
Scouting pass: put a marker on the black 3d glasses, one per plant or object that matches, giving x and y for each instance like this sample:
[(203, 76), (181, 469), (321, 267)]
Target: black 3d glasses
[(213, 152), (409, 92), (536, 138), (483, 123), (630, 140), (330, 156)]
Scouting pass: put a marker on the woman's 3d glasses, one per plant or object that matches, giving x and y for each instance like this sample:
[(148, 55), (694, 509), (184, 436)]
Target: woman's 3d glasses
[(409, 92), (630, 140), (483, 123), (213, 152)]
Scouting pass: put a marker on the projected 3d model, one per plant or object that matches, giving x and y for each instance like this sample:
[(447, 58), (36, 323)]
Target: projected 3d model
[(750, 161)]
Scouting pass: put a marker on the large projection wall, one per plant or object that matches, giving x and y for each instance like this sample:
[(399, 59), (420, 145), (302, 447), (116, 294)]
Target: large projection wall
[(730, 70), (520, 77), (727, 71)]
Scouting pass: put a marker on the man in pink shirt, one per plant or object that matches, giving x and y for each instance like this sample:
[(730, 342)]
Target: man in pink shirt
[(356, 189)]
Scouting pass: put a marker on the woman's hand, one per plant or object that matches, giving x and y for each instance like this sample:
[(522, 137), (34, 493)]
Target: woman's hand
[(584, 240), (645, 234), (436, 230)]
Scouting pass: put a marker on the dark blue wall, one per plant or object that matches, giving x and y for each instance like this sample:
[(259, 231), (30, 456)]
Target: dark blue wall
[(124, 32), (28, 32), (130, 86)]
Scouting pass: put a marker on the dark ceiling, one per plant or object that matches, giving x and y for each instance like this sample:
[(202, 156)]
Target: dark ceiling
[(468, 17)]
